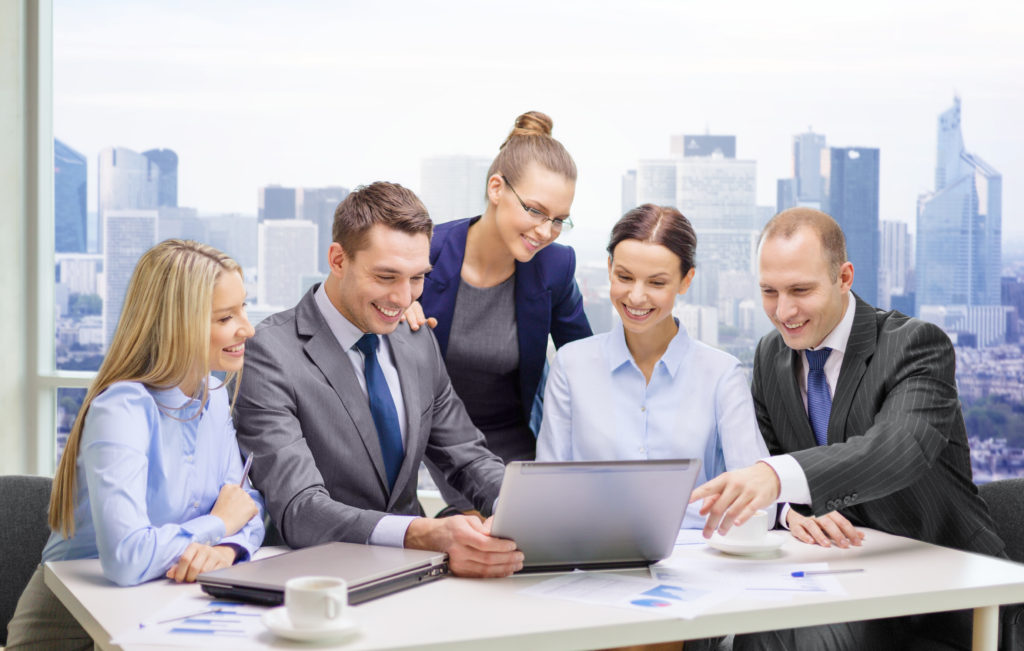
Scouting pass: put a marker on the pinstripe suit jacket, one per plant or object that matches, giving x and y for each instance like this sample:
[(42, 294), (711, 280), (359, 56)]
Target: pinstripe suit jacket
[(897, 457)]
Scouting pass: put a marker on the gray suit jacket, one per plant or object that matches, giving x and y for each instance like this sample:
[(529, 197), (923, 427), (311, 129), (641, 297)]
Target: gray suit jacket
[(317, 459), (897, 457)]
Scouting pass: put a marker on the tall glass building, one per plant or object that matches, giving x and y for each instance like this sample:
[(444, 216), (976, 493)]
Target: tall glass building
[(959, 225), (853, 203), (69, 201)]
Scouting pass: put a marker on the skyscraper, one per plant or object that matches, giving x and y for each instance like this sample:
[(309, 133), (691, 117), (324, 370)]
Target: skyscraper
[(276, 202), (167, 187), (703, 146), (287, 252), (453, 187), (656, 182), (317, 205), (128, 234), (127, 181), (895, 262), (959, 225), (853, 202), (628, 191), (69, 201), (808, 186)]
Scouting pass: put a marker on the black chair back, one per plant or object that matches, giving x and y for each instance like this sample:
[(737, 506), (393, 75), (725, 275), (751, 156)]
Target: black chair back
[(23, 532)]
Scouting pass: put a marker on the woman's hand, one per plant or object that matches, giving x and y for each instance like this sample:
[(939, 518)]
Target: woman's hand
[(414, 315), (234, 507), (198, 558)]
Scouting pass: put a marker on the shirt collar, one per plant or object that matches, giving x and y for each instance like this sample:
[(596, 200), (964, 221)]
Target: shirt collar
[(840, 335), (672, 359), (344, 330)]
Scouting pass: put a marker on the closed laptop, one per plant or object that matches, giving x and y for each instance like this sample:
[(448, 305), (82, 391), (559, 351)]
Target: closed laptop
[(594, 515), (371, 571)]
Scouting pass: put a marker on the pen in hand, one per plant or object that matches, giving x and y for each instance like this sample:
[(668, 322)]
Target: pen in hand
[(813, 572), (245, 470)]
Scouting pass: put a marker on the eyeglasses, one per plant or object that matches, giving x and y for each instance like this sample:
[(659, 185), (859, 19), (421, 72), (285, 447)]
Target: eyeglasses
[(556, 224)]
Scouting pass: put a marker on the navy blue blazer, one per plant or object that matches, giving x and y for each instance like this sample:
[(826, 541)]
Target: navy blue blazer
[(548, 301)]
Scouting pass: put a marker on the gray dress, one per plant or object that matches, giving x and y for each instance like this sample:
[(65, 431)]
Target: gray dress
[(483, 363)]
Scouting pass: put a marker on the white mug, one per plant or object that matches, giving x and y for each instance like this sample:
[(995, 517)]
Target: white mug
[(752, 532), (315, 601)]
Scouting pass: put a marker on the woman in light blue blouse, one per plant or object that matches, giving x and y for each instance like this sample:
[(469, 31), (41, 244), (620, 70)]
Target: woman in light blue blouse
[(646, 390), (150, 478)]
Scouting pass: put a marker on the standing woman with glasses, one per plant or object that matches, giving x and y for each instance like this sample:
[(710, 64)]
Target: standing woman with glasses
[(151, 482), (500, 286)]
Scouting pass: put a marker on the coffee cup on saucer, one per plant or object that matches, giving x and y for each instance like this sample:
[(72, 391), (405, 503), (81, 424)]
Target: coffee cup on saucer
[(316, 602), (752, 532)]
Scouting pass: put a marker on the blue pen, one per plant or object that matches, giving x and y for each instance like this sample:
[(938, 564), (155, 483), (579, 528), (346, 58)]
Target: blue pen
[(245, 469), (813, 572)]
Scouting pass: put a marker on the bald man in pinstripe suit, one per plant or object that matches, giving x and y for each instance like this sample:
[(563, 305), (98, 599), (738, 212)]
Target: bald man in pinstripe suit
[(860, 408)]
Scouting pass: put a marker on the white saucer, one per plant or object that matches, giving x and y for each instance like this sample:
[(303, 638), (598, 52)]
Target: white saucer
[(772, 542), (277, 620)]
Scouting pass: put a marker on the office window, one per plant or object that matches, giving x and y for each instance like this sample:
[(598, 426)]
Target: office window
[(244, 129)]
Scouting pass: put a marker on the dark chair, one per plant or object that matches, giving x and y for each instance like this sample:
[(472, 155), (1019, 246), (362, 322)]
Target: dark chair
[(1005, 499), (23, 533)]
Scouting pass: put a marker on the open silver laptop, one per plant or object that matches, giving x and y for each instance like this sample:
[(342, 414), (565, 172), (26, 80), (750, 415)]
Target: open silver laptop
[(594, 515), (371, 571)]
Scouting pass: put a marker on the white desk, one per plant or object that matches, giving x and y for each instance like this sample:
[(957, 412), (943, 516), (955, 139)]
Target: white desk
[(901, 577)]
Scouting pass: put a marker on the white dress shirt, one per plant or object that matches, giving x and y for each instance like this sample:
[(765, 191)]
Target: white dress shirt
[(793, 486)]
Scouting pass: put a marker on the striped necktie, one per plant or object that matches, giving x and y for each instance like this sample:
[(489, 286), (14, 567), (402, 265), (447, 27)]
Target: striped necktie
[(819, 401)]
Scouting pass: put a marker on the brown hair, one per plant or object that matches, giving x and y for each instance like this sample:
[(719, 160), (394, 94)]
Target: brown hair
[(530, 141), (384, 203), (662, 225), (788, 222)]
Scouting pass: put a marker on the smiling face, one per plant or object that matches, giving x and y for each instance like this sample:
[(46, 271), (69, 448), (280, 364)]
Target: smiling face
[(798, 293), (540, 189), (645, 280), (230, 325), (374, 286)]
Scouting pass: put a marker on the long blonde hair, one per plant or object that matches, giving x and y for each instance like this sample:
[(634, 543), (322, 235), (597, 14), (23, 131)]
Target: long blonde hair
[(162, 340)]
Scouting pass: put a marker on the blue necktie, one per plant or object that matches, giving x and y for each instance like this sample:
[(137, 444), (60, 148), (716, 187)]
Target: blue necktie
[(819, 401), (382, 407)]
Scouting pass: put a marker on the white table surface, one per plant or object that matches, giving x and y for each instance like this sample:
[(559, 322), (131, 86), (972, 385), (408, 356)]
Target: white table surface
[(901, 577)]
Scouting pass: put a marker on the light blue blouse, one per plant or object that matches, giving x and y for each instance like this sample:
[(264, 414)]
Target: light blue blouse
[(598, 406), (148, 475)]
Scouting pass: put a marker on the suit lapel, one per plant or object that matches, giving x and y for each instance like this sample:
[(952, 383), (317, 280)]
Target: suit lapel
[(411, 389), (323, 350), (792, 401), (443, 281), (533, 323), (859, 350)]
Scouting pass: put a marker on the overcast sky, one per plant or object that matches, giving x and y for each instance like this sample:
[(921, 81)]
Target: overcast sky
[(345, 93)]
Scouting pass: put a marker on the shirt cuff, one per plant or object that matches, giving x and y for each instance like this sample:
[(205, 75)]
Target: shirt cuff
[(390, 530), (792, 480), (783, 512), (206, 529)]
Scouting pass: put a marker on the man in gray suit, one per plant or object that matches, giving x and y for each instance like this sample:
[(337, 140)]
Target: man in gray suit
[(340, 401), (861, 410)]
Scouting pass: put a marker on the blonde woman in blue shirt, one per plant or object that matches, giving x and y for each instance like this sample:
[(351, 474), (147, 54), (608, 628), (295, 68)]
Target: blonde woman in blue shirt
[(150, 478), (646, 390)]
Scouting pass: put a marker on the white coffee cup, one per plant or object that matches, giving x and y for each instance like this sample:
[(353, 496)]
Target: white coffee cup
[(752, 532), (315, 601)]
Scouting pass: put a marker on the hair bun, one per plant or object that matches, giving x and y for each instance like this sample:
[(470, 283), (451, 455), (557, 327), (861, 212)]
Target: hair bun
[(531, 123)]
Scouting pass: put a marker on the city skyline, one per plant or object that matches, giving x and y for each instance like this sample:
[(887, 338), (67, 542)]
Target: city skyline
[(614, 80)]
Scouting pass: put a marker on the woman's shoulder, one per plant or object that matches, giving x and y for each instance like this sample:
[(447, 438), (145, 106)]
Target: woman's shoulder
[(120, 411), (588, 349), (124, 393), (710, 357)]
